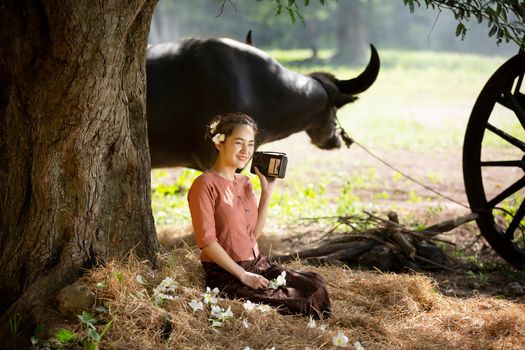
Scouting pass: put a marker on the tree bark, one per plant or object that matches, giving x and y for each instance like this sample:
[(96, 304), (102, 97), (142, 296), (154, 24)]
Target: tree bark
[(74, 156)]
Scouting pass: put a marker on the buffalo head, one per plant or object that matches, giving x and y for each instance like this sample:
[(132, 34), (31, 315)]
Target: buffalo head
[(323, 131)]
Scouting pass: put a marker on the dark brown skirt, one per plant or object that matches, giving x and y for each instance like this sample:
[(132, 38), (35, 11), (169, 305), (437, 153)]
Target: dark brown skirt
[(305, 292)]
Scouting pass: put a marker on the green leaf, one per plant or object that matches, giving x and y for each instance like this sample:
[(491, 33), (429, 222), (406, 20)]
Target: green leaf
[(119, 276), (410, 5), (307, 2), (39, 329), (87, 319), (291, 14), (101, 309), (93, 334), (65, 336), (460, 29), (105, 329), (493, 30), (89, 345)]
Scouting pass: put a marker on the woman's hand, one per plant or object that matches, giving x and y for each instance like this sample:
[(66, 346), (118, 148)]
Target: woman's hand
[(266, 182), (254, 280)]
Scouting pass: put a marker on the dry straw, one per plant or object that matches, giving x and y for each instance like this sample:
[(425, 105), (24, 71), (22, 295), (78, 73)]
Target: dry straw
[(382, 311)]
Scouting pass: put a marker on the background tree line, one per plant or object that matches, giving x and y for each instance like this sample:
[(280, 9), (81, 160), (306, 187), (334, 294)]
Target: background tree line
[(346, 26)]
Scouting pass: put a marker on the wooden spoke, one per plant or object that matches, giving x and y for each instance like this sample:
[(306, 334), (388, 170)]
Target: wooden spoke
[(509, 138), (516, 220), (509, 191), (503, 163), (517, 88), (513, 103)]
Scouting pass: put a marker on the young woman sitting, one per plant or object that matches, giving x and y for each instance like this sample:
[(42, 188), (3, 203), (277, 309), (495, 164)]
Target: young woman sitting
[(227, 223)]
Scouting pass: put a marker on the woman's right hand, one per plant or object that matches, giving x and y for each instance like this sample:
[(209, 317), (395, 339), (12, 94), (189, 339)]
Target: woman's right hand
[(254, 280)]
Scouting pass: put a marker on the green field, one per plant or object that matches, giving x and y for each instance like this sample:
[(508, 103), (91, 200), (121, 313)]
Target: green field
[(418, 107)]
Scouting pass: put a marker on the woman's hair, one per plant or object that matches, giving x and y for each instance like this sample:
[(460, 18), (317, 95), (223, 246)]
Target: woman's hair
[(226, 123)]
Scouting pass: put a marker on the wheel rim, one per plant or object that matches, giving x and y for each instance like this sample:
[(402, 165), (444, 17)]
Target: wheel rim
[(499, 116)]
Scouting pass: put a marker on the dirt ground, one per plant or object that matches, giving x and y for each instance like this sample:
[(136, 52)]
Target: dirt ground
[(475, 268)]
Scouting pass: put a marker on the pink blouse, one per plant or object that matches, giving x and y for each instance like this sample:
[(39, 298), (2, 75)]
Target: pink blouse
[(224, 211)]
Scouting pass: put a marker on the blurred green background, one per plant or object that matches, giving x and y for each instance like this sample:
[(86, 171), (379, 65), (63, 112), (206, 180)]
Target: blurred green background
[(414, 115)]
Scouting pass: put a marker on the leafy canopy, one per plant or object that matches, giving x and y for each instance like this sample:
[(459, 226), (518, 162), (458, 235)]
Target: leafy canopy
[(504, 17)]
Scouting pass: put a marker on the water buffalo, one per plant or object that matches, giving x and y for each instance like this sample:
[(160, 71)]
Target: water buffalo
[(190, 81)]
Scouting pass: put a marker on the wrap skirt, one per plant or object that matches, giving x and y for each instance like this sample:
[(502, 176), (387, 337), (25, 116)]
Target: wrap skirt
[(304, 293)]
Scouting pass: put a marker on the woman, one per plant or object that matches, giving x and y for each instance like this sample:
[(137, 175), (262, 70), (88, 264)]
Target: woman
[(227, 223)]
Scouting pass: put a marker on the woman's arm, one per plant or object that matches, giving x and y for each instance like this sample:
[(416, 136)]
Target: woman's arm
[(221, 258), (266, 193)]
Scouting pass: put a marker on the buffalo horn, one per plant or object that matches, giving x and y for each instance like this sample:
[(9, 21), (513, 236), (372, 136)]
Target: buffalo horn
[(364, 80), (249, 38)]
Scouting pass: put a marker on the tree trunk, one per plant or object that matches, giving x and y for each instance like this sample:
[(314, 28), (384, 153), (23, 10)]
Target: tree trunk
[(74, 156), (351, 34)]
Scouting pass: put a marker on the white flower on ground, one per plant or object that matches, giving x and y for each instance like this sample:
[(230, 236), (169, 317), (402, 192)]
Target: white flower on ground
[(165, 290), (168, 285), (358, 346), (216, 312), (213, 126), (210, 297), (323, 327), (228, 313), (140, 279), (215, 323), (264, 308), (249, 306), (272, 348), (160, 297), (279, 281), (247, 348), (196, 305), (246, 323), (311, 323), (218, 138), (340, 340)]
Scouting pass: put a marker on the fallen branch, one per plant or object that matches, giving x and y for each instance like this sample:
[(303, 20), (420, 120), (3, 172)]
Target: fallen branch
[(350, 249), (390, 233)]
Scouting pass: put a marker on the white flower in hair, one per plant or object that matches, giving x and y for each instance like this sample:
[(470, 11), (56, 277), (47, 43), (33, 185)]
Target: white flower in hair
[(213, 126), (218, 138)]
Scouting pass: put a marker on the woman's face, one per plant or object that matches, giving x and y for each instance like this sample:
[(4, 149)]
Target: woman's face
[(238, 148)]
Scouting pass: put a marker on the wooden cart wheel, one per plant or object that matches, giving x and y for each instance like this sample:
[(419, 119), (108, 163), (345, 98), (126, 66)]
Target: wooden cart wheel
[(495, 181)]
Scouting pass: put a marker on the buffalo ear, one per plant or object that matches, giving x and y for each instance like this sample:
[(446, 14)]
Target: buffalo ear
[(340, 100)]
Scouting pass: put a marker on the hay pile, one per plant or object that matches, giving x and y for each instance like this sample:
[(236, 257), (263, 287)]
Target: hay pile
[(382, 311)]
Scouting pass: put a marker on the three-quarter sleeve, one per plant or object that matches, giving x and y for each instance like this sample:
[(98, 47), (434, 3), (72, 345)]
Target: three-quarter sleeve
[(201, 200)]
